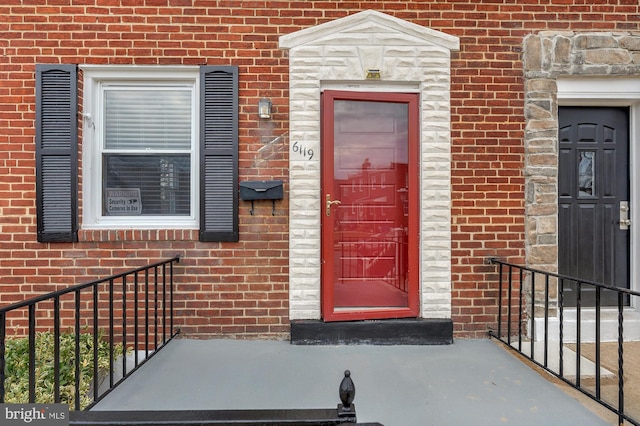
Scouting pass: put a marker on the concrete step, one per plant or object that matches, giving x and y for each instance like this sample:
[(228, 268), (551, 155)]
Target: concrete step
[(569, 360), (608, 326)]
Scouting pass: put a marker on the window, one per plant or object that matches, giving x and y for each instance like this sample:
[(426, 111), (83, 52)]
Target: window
[(147, 151), (159, 149), (141, 146)]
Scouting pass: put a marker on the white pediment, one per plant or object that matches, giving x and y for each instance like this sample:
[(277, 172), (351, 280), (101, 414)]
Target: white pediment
[(369, 27)]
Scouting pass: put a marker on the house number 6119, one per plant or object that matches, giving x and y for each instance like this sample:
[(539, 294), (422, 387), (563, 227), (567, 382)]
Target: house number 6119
[(302, 150)]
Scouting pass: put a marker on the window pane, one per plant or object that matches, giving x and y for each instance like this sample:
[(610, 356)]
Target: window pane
[(586, 171), (163, 182), (370, 230), (147, 119)]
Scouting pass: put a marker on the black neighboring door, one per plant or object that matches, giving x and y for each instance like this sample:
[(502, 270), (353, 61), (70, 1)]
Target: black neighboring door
[(593, 190)]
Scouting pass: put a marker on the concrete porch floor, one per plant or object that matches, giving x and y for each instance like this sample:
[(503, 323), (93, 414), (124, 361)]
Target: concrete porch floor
[(469, 382)]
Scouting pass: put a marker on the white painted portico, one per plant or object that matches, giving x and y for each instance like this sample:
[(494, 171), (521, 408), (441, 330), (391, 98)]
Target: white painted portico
[(337, 55)]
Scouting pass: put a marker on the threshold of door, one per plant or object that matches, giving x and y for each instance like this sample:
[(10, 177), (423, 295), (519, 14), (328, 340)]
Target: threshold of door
[(414, 331)]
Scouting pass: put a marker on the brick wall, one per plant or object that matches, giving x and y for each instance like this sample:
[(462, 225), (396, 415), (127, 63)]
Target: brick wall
[(241, 289)]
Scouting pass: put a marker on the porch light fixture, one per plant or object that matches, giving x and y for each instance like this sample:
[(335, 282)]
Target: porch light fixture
[(264, 108)]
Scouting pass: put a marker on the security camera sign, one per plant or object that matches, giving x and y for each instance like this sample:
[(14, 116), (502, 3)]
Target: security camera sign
[(124, 202)]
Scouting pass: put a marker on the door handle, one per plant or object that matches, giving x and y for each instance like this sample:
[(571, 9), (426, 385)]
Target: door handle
[(625, 222), (329, 203)]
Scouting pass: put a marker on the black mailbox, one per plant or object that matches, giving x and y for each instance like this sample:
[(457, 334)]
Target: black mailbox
[(261, 190)]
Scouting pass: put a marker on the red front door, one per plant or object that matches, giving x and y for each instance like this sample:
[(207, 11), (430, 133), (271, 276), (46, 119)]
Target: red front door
[(369, 205)]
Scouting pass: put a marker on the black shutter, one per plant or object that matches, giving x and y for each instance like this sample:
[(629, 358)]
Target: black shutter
[(219, 153), (57, 152)]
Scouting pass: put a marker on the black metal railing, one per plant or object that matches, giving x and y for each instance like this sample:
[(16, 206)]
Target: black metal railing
[(344, 413), (572, 328), (113, 326)]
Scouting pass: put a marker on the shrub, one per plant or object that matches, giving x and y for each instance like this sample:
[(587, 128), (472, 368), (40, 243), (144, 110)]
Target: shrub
[(17, 367)]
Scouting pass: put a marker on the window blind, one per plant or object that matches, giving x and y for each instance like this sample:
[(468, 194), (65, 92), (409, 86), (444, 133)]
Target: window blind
[(147, 119)]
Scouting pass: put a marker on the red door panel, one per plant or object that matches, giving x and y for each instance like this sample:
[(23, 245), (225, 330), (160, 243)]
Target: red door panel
[(370, 181)]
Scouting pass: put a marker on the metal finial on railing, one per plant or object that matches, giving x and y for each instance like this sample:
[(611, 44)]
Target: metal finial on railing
[(347, 392)]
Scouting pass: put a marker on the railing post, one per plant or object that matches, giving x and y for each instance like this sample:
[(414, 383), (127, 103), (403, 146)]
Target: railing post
[(56, 349), (146, 313), (520, 308), (77, 351), (532, 314), (136, 318), (124, 324), (578, 331), (32, 353), (111, 331), (598, 294), (164, 303), (561, 325), (620, 359), (347, 391), (3, 335), (500, 300), (155, 308), (95, 341), (546, 319), (509, 303), (171, 298)]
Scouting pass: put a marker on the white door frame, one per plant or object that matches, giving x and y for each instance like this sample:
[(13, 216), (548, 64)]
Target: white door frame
[(611, 92), (606, 92)]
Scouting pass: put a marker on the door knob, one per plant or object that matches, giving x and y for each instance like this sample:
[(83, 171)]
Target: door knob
[(329, 203)]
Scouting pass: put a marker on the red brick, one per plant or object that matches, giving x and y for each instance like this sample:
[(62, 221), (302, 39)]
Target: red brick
[(487, 129)]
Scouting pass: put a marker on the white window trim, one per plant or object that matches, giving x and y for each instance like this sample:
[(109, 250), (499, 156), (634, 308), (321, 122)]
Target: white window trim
[(95, 77)]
